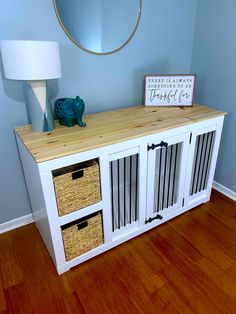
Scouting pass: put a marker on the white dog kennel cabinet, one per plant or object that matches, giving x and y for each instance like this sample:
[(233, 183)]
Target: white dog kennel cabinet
[(127, 171)]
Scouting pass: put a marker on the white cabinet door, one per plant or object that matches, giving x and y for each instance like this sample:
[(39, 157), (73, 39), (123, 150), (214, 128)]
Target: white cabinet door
[(167, 160), (124, 168), (201, 163)]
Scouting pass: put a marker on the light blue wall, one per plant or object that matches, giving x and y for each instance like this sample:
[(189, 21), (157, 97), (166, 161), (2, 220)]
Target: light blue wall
[(214, 61), (162, 44)]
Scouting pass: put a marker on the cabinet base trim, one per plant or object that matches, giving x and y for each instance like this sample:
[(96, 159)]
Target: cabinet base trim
[(16, 223)]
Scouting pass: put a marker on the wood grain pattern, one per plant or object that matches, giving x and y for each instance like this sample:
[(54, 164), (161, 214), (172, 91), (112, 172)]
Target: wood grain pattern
[(187, 265), (110, 127)]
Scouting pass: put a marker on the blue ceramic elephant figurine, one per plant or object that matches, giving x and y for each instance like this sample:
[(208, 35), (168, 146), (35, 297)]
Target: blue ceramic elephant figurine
[(69, 111)]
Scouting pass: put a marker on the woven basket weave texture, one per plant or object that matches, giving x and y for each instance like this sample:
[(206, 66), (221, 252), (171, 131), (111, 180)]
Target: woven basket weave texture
[(73, 194), (79, 241)]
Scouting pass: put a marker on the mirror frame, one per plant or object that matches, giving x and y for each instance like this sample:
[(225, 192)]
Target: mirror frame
[(91, 51)]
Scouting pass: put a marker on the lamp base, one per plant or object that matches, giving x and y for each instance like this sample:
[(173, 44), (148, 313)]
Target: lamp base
[(39, 106)]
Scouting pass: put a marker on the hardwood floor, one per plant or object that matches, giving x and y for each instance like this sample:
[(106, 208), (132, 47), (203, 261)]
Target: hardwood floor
[(187, 265)]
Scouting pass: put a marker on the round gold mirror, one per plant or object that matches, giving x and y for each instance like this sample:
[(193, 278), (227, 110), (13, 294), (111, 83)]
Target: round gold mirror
[(99, 26)]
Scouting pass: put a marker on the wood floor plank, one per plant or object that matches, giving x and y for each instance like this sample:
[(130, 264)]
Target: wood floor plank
[(199, 236), (223, 280), (217, 197), (73, 304), (181, 242), (201, 282), (187, 265), (223, 236), (122, 277), (17, 299), (148, 253), (167, 296), (228, 220), (10, 271), (187, 292), (3, 304)]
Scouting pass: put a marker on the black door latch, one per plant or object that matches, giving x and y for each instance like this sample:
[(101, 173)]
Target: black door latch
[(151, 219), (153, 146)]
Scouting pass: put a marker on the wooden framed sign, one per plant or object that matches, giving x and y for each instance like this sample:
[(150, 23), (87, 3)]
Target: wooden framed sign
[(169, 90)]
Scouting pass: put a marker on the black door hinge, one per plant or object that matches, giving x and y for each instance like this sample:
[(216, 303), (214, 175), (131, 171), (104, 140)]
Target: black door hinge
[(190, 138), (183, 203), (153, 146), (151, 219)]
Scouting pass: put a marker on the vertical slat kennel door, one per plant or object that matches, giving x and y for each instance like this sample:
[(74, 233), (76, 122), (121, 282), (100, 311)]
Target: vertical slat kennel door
[(124, 182), (166, 174), (202, 162)]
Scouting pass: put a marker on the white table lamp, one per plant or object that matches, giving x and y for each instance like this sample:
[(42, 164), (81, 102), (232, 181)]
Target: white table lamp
[(34, 62)]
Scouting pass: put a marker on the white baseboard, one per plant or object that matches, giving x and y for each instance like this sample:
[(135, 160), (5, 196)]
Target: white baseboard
[(224, 190), (16, 223)]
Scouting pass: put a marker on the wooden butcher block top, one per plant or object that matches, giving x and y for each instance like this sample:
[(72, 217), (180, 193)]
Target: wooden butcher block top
[(110, 127)]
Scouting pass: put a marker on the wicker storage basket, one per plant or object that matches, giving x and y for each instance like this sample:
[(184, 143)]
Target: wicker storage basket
[(82, 235), (77, 186)]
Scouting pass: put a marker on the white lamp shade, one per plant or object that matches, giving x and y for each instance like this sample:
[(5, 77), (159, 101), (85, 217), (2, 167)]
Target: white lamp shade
[(30, 60)]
